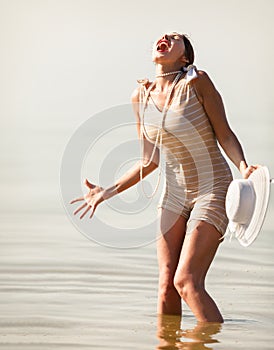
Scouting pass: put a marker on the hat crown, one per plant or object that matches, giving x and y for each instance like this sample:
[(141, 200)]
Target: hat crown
[(240, 201), (246, 205)]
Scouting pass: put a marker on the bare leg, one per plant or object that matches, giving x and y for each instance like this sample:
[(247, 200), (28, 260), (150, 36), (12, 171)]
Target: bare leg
[(202, 333), (169, 245), (168, 328), (198, 251)]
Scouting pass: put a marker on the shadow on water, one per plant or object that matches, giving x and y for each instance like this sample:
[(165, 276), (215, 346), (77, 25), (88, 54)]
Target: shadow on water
[(171, 336)]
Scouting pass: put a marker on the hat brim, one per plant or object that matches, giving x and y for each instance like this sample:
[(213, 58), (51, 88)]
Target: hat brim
[(261, 182)]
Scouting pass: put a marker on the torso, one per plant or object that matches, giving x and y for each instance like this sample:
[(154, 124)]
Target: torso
[(197, 175), (192, 155)]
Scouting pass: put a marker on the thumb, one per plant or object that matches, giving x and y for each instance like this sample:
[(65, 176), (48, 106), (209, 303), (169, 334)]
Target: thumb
[(88, 184)]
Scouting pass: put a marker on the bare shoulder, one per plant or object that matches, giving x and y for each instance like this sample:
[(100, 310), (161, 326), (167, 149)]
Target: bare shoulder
[(142, 83), (203, 85), (203, 79)]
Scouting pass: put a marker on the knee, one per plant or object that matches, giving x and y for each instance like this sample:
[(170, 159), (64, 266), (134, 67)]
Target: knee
[(166, 285), (187, 285)]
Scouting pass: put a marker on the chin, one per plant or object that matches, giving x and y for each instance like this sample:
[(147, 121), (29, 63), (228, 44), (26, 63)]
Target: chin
[(159, 59)]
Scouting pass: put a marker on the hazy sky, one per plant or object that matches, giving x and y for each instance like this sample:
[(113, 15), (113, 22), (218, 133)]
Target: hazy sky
[(63, 60)]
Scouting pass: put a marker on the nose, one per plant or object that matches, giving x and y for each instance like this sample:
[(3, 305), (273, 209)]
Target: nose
[(165, 36)]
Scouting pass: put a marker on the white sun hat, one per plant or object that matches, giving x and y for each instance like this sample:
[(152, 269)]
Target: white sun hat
[(246, 205)]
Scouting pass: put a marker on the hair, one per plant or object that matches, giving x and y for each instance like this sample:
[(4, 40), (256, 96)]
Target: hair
[(189, 51)]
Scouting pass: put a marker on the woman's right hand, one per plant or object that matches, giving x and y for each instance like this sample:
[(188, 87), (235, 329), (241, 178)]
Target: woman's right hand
[(247, 170), (91, 199)]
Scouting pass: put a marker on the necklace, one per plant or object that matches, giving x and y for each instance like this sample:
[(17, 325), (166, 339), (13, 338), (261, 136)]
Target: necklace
[(166, 74), (159, 136)]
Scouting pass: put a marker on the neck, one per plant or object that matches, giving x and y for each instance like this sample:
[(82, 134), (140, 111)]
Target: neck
[(166, 68), (163, 79)]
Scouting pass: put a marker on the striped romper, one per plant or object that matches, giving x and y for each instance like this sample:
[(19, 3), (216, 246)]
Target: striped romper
[(197, 175)]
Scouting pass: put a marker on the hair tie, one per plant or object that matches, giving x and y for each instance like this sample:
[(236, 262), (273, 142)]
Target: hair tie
[(188, 68), (190, 72)]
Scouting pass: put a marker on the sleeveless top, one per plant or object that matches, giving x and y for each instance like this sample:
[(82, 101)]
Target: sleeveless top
[(193, 160)]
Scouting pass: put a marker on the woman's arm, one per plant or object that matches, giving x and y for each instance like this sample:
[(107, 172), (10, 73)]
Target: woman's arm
[(213, 105), (97, 194), (132, 177)]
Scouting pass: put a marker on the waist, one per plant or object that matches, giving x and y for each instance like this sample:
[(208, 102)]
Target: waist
[(198, 177)]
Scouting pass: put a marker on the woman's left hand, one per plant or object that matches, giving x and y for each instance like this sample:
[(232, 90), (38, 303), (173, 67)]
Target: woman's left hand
[(249, 170)]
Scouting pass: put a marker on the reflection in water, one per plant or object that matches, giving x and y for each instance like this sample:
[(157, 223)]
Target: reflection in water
[(171, 336)]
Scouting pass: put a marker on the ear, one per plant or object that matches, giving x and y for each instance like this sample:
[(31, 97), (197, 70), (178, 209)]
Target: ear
[(184, 59)]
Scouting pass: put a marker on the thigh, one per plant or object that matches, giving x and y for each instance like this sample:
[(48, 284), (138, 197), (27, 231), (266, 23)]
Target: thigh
[(210, 208), (198, 251), (172, 228)]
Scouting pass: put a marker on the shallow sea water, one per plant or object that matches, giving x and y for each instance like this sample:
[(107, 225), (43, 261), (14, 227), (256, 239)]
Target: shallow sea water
[(60, 291)]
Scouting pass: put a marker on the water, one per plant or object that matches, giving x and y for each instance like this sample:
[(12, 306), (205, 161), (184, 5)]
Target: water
[(59, 290)]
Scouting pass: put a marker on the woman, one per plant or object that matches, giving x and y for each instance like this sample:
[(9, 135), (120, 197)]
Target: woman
[(181, 115)]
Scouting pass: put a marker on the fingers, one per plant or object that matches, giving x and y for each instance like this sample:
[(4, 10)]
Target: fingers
[(84, 213), (257, 166), (252, 168), (80, 208), (76, 200), (85, 204), (249, 170), (88, 184), (92, 212), (89, 207)]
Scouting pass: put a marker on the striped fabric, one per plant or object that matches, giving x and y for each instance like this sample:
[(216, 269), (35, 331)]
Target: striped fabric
[(196, 174)]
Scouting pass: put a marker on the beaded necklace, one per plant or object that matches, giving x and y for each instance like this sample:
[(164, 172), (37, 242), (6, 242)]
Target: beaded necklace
[(159, 136), (166, 74)]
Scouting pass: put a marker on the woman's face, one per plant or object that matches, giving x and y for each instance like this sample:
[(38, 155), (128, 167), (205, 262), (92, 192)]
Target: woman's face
[(170, 48)]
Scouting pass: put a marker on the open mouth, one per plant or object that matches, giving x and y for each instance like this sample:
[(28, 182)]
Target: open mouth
[(163, 45)]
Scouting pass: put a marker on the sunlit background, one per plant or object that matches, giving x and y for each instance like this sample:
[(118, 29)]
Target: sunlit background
[(63, 61)]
